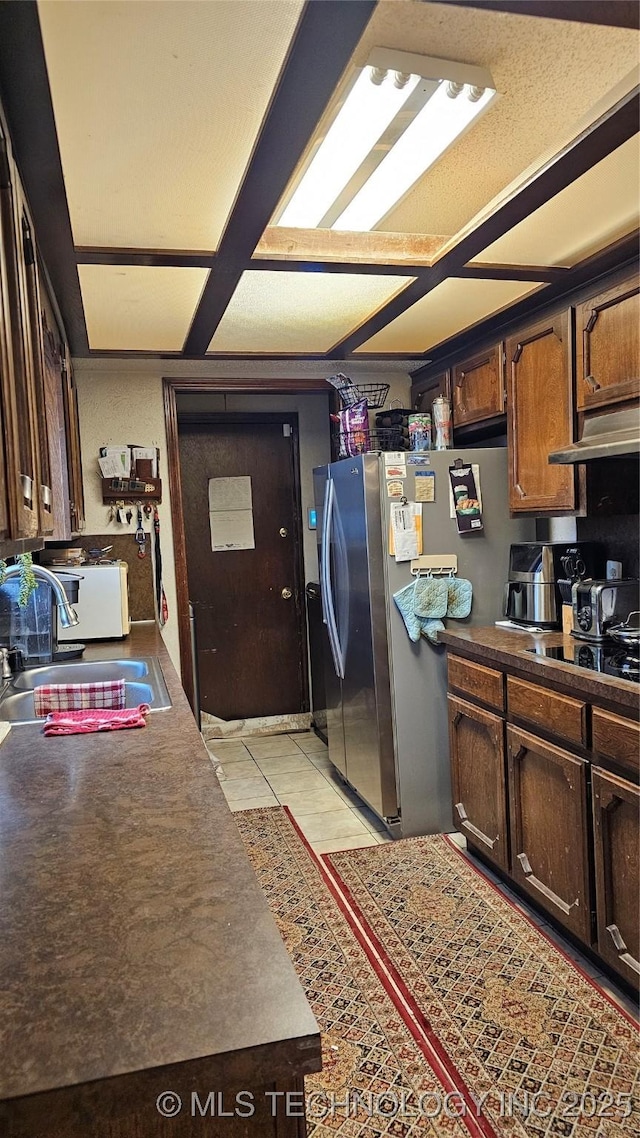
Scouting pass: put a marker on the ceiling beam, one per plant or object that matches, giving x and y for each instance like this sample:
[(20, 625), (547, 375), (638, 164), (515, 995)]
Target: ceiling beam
[(611, 13), (24, 89), (600, 139), (323, 45), (282, 243), (184, 258), (489, 272), (156, 258)]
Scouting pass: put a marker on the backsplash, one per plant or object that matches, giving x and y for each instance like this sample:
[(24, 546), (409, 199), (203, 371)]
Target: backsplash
[(619, 535)]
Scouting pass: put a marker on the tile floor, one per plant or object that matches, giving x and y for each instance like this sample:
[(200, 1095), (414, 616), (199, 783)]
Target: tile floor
[(294, 771)]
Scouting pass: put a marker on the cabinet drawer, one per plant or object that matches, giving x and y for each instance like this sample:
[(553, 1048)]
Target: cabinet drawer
[(617, 738), (560, 715), (484, 684)]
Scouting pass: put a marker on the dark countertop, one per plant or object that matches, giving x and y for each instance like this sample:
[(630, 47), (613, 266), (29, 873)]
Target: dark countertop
[(506, 646), (133, 932)]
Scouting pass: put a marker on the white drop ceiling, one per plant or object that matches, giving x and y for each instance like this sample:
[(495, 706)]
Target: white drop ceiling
[(158, 110)]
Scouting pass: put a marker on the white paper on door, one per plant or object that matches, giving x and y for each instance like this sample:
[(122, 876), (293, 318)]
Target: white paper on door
[(406, 535), (231, 514)]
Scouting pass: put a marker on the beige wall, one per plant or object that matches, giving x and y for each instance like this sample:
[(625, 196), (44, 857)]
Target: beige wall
[(120, 401)]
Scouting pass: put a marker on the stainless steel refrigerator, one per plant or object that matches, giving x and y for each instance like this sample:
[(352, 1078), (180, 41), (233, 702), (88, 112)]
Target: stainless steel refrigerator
[(385, 695)]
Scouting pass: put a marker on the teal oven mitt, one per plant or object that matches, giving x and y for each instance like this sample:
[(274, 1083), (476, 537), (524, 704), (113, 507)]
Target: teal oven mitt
[(459, 597), (431, 628), (431, 597), (404, 602)]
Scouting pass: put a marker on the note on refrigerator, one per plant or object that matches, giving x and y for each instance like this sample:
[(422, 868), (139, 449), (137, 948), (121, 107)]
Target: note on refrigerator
[(406, 526)]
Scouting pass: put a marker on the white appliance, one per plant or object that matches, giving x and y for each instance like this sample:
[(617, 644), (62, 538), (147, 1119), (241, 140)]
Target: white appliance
[(102, 605)]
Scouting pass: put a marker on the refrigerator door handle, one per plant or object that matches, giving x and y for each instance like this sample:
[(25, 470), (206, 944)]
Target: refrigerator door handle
[(325, 580)]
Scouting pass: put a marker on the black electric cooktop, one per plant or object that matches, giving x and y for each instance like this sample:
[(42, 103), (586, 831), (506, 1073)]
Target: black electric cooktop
[(607, 657)]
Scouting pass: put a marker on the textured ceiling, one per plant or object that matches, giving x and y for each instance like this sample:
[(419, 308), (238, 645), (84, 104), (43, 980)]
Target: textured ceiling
[(139, 308), (159, 108), (592, 212), (291, 312), (440, 314)]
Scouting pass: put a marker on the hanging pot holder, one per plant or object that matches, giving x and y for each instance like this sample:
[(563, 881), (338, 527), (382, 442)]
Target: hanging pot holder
[(404, 599), (430, 597), (459, 597)]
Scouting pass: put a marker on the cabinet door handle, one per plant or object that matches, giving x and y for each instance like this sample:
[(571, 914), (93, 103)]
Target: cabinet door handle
[(27, 488), (467, 825), (519, 491), (45, 495), (591, 382), (614, 933), (544, 889)]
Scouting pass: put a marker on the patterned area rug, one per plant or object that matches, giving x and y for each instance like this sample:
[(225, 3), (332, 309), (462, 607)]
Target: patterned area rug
[(443, 1010)]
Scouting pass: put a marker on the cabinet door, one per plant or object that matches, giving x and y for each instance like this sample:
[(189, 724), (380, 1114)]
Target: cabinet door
[(74, 457), (54, 354), (548, 815), (608, 347), (425, 391), (616, 805), (539, 416), (18, 394), (476, 742), (32, 321), (478, 387)]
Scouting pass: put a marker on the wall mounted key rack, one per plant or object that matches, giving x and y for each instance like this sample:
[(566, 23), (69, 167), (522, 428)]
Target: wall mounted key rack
[(131, 490)]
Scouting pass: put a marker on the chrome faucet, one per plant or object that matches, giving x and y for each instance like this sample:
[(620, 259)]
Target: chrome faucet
[(67, 615)]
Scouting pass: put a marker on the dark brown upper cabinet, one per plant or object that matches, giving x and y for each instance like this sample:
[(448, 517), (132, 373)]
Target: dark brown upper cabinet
[(608, 346), (478, 387), (540, 416), (424, 391), (74, 457), (18, 390), (32, 321)]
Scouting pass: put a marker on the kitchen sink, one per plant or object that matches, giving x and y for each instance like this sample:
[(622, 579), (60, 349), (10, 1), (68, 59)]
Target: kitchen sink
[(81, 672), (144, 683)]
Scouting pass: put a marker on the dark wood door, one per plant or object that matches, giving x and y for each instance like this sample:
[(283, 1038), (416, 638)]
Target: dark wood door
[(248, 603), (608, 346), (476, 740), (548, 815), (478, 387), (540, 416), (616, 809)]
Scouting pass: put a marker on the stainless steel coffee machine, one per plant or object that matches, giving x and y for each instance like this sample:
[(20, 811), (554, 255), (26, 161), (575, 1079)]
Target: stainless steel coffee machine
[(532, 593)]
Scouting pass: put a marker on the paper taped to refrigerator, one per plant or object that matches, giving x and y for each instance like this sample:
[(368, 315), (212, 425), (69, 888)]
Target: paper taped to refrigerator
[(406, 527)]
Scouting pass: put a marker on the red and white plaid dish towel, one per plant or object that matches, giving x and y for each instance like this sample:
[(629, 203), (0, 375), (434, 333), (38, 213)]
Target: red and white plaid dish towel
[(78, 697), (86, 722)]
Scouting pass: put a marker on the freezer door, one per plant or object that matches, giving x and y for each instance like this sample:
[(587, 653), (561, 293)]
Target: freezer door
[(333, 684), (358, 589)]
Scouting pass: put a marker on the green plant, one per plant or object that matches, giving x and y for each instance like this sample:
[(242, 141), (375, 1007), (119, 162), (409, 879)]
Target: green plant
[(27, 577)]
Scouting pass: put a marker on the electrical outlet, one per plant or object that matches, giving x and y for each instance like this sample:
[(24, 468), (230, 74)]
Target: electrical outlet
[(614, 570)]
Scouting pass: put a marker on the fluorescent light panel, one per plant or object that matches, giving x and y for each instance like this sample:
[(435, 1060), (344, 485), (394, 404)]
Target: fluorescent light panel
[(364, 116), (366, 113), (442, 120)]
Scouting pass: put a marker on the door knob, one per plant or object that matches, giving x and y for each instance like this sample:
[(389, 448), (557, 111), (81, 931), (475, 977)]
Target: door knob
[(286, 594), (283, 532)]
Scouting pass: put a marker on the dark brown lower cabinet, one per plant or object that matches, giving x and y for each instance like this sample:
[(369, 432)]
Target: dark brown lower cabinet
[(616, 804), (549, 828), (478, 773)]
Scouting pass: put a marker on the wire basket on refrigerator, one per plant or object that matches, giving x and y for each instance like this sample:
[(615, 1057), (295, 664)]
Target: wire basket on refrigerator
[(375, 394), (350, 443)]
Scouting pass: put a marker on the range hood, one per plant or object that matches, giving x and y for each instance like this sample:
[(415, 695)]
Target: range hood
[(603, 436)]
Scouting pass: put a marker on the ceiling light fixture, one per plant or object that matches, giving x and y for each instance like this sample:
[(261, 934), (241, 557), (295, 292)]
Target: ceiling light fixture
[(398, 117)]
